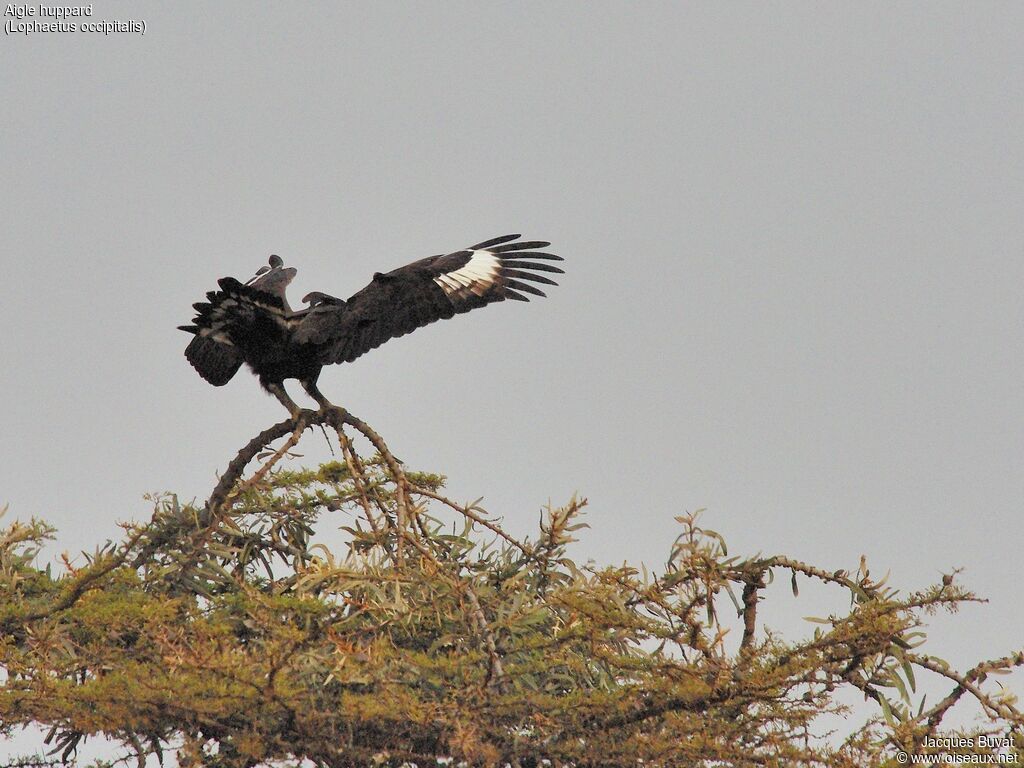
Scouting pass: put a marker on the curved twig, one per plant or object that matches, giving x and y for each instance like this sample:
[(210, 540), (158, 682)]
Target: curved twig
[(469, 512), (251, 449)]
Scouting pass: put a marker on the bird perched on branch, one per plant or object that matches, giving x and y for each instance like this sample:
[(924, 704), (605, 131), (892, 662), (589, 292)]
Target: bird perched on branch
[(252, 322)]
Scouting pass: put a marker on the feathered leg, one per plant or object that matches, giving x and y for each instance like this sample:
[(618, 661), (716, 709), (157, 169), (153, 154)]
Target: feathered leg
[(311, 389), (278, 391)]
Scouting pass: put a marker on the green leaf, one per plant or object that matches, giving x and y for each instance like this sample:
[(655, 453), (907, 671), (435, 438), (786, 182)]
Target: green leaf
[(908, 670), (897, 682), (886, 711)]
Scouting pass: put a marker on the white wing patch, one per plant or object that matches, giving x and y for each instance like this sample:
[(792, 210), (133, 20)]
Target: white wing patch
[(476, 276)]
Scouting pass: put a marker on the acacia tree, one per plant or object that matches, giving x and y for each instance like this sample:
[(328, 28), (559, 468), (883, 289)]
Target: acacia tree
[(228, 633)]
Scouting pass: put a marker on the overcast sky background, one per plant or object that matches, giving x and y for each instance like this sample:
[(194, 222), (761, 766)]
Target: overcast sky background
[(793, 242)]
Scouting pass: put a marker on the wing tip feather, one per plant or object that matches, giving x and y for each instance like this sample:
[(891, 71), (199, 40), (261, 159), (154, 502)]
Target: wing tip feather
[(494, 241)]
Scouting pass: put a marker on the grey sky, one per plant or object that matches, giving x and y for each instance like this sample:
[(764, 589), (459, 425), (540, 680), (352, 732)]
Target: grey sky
[(793, 237)]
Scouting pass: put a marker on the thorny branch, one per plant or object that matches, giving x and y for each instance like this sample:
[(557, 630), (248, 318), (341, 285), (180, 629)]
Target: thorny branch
[(358, 474), (969, 682)]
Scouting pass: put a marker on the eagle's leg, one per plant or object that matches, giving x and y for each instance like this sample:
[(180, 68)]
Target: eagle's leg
[(278, 391), (311, 389)]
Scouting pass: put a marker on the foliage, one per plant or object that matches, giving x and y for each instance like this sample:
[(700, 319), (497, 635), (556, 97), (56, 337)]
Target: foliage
[(230, 634)]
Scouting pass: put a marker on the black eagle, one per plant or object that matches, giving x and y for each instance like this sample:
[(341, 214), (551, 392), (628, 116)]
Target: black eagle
[(252, 323)]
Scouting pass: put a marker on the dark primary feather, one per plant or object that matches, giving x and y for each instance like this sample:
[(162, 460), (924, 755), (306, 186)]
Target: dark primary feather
[(253, 323), (493, 241)]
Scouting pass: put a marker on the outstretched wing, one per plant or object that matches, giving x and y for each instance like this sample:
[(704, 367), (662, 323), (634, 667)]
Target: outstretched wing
[(434, 288), (235, 318)]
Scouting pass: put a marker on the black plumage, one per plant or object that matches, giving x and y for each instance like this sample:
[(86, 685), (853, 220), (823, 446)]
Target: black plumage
[(252, 322)]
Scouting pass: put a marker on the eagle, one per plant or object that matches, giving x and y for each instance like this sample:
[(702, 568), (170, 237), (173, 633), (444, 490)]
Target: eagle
[(252, 322)]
